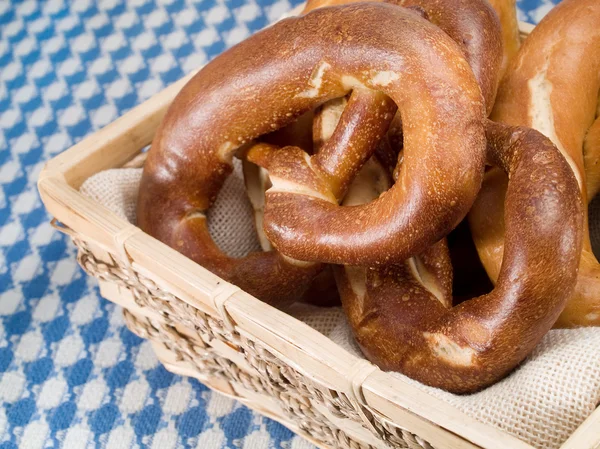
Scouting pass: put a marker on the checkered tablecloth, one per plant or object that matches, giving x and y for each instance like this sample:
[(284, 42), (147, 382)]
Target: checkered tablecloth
[(71, 374)]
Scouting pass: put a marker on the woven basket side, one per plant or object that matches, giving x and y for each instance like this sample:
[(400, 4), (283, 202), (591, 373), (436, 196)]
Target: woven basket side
[(193, 338)]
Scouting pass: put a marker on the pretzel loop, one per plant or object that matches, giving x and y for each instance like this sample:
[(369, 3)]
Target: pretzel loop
[(187, 165), (471, 345)]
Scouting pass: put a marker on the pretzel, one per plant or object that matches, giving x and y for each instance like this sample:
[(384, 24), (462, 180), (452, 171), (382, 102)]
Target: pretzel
[(412, 64), (472, 24), (322, 291), (507, 13), (591, 157), (552, 85), (401, 314)]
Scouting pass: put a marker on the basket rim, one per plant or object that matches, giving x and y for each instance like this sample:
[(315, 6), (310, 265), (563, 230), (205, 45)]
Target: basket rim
[(305, 349)]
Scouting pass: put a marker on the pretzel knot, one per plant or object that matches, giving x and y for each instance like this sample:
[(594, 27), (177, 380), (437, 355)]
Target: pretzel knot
[(277, 78)]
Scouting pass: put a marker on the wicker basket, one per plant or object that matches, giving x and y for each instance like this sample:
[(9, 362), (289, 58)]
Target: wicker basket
[(204, 327)]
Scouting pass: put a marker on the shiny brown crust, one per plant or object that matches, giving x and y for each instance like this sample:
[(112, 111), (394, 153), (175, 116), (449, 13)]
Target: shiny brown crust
[(403, 324), (507, 13), (278, 77), (552, 85), (591, 157), (472, 24), (469, 23)]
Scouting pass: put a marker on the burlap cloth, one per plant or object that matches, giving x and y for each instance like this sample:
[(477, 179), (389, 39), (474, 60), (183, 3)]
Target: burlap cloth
[(542, 402)]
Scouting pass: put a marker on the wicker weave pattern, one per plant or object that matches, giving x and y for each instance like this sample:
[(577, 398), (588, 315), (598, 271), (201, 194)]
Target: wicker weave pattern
[(293, 392)]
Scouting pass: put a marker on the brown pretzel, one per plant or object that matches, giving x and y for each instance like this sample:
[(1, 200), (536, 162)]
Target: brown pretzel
[(591, 157), (323, 290), (403, 319), (278, 77), (552, 86), (470, 23), (507, 13)]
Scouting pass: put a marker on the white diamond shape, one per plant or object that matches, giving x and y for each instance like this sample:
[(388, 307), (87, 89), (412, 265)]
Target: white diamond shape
[(185, 17), (86, 89), (118, 88), (213, 437), (71, 116), (11, 71), (77, 437), (104, 115), (174, 40), (29, 346), (69, 67), (145, 358), (143, 41), (55, 91), (39, 24), (163, 63), (12, 28), (247, 12), (85, 308), (216, 14), (9, 118), (178, 398), (27, 268), (67, 23), (11, 386), (219, 405), (258, 438), (46, 308), (156, 18), (126, 20), (131, 64), (42, 235), (98, 21), (120, 437), (100, 65), (134, 396), (52, 393), (92, 395), (39, 68), (53, 44), (10, 301), (58, 142), (11, 232), (27, 200), (35, 434), (149, 88), (63, 274), (83, 43), (194, 61), (25, 47), (113, 42), (69, 350), (236, 35), (24, 94), (40, 116), (206, 37), (108, 353), (26, 8), (166, 439), (22, 145)]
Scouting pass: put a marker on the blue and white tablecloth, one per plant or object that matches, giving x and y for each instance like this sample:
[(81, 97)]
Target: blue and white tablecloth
[(71, 374)]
